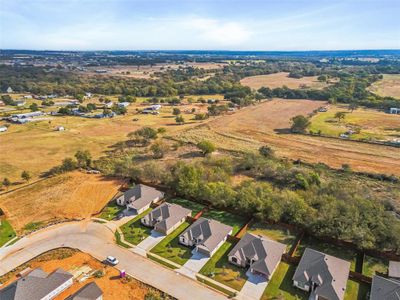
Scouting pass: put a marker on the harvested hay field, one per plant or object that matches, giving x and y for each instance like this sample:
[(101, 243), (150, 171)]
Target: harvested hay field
[(389, 86), (281, 79), (76, 262), (254, 126), (67, 196)]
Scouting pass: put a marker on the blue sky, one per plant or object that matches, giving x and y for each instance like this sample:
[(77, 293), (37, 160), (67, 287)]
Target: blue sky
[(199, 24)]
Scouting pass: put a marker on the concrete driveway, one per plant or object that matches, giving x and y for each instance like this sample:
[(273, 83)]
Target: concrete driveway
[(153, 239), (254, 287), (194, 264), (97, 240)]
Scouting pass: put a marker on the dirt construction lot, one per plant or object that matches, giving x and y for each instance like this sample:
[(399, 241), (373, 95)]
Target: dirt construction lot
[(77, 263), (254, 126), (280, 79), (46, 200)]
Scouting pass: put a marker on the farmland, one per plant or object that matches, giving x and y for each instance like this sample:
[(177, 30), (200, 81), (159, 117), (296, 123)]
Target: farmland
[(281, 79), (268, 123), (389, 86), (368, 124), (45, 201)]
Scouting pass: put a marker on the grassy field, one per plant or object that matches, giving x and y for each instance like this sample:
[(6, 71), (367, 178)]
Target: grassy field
[(111, 211), (281, 285), (227, 218), (195, 207), (373, 265), (134, 232), (281, 79), (268, 123), (356, 291), (219, 269), (6, 232), (36, 147), (170, 248), (389, 86), (330, 249), (371, 124), (46, 200), (275, 232)]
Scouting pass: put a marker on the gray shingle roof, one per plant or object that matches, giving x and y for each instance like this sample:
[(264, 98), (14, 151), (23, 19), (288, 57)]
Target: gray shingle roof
[(265, 252), (91, 291), (209, 232), (329, 272), (385, 289), (34, 286), (141, 195), (166, 215), (394, 269)]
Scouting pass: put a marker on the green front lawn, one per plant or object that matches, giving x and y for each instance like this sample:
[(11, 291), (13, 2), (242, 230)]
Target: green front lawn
[(6, 232), (195, 207), (276, 233), (134, 232), (356, 291), (171, 249), (111, 211), (372, 265), (330, 249), (219, 268), (281, 284), (237, 222)]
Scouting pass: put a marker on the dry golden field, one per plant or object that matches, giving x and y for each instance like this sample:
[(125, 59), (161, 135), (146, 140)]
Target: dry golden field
[(254, 126), (389, 86), (281, 79), (44, 201)]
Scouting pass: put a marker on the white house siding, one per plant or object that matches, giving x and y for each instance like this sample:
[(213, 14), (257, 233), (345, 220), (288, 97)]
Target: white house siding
[(301, 286), (120, 201), (58, 290)]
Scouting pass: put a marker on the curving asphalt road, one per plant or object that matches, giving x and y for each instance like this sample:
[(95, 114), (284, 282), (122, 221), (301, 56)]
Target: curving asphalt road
[(97, 240)]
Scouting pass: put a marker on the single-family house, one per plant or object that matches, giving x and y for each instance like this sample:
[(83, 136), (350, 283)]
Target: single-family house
[(140, 197), (90, 291), (260, 254), (394, 269), (9, 90), (394, 110), (385, 289), (123, 104), (3, 128), (205, 235), (109, 104), (166, 217), (324, 276), (20, 103), (38, 285), (28, 97)]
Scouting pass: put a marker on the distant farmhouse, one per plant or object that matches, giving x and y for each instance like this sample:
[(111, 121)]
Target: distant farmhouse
[(37, 285), (394, 110), (324, 276), (166, 217), (9, 90), (205, 235), (152, 109), (140, 198), (260, 254)]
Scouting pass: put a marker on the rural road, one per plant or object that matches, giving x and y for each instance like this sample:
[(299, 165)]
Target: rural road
[(98, 241)]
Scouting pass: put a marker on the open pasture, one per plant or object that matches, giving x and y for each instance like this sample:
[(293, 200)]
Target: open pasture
[(389, 86), (281, 79)]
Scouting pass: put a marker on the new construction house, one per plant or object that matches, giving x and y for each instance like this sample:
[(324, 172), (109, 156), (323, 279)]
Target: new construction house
[(140, 197), (324, 276), (260, 254), (205, 235), (166, 217)]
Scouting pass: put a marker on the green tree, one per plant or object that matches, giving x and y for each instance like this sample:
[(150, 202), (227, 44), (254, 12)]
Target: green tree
[(26, 176), (340, 115), (6, 183), (84, 158), (266, 151), (159, 149), (180, 120), (68, 165), (206, 147), (353, 106), (176, 111), (299, 124), (34, 107)]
